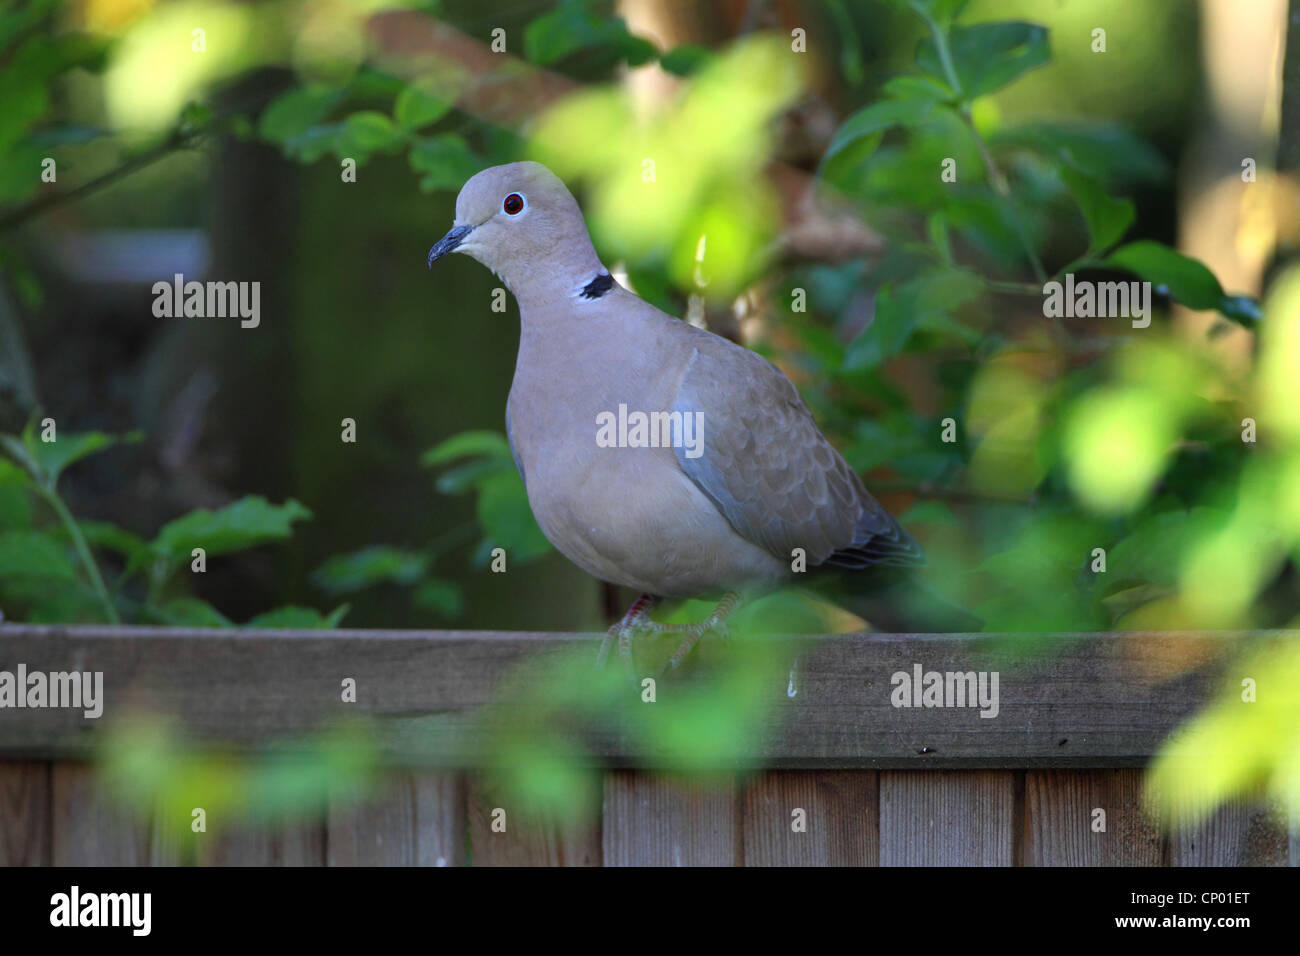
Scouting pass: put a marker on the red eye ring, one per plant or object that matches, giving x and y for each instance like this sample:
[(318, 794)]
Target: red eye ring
[(513, 204)]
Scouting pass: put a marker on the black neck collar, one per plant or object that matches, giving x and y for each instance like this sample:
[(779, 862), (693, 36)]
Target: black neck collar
[(597, 286)]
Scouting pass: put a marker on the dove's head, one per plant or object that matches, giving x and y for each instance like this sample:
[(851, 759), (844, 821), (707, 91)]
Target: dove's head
[(521, 222)]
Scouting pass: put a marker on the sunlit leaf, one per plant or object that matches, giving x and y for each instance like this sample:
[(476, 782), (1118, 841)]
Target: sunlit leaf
[(1117, 442), (987, 56)]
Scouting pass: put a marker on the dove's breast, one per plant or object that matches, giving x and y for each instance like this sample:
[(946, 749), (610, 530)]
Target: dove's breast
[(595, 452)]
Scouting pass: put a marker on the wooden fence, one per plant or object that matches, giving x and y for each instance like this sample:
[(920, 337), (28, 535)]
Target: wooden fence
[(1078, 717)]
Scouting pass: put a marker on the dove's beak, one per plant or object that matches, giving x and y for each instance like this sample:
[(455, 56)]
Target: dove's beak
[(448, 243)]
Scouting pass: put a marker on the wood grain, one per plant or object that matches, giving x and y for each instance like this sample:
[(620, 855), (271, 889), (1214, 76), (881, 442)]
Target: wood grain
[(947, 818), (651, 820), (841, 816), (1081, 701), (90, 828), (417, 818), (24, 813), (531, 837), (1239, 833), (272, 844), (1061, 812)]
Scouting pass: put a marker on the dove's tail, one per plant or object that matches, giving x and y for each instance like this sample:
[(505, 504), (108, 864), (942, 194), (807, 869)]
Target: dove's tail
[(896, 601)]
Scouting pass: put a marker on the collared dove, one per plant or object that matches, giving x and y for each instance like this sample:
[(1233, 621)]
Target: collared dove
[(729, 483)]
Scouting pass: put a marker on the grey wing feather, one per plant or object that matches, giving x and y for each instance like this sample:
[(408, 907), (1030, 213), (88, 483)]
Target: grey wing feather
[(768, 468)]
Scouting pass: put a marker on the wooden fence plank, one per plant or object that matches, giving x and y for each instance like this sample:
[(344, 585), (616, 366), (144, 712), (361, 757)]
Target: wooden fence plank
[(650, 820), (89, 828), (947, 818), (841, 818), (1068, 701), (529, 838), (275, 844), (24, 813), (1238, 833), (416, 819), (1061, 812)]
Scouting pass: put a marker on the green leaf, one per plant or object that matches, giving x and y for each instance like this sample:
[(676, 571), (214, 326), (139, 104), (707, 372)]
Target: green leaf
[(196, 116), (415, 108), (942, 11), (246, 523), (472, 444), (54, 456), (469, 476), (850, 43), (918, 88), (930, 512), (877, 118), (686, 59), (441, 597), (987, 56), (346, 573), (1107, 218), (109, 537), (575, 26), (33, 554), (293, 113), (310, 145), (506, 518), (1105, 151), (1153, 552), (888, 332), (15, 507), (299, 618), (11, 474), (900, 309), (188, 612), (1186, 279), (446, 162), (364, 133), (1242, 309)]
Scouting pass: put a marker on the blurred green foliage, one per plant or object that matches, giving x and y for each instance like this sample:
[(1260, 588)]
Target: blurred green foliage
[(1062, 443)]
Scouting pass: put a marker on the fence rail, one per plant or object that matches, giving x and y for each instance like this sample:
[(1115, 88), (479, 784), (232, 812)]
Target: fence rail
[(1078, 716)]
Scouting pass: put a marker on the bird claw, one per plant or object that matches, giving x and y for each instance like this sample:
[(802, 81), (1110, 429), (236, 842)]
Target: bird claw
[(638, 620), (692, 634)]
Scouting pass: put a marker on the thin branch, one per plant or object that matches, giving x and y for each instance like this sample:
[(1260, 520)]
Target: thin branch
[(83, 550), (139, 161), (926, 490), (1003, 189)]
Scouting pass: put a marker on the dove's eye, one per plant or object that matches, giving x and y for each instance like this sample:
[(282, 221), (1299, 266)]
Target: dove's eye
[(513, 205)]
